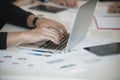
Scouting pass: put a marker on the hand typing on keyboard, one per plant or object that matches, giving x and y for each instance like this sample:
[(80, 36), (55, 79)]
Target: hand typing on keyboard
[(51, 45), (47, 29)]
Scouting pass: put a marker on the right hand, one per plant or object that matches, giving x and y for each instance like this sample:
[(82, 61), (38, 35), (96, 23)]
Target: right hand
[(32, 36), (40, 34)]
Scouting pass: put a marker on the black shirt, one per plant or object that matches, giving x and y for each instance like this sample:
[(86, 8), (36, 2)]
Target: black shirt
[(13, 14)]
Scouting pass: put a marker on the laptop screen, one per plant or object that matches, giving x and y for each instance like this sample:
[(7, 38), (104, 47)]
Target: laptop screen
[(81, 23)]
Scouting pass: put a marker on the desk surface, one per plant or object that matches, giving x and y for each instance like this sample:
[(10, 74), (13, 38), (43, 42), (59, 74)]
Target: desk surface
[(107, 70)]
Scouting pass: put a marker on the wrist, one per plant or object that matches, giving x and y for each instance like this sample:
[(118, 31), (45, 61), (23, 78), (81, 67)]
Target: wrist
[(30, 21), (12, 39), (37, 20)]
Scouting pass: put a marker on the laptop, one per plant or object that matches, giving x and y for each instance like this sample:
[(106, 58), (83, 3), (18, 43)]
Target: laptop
[(79, 30)]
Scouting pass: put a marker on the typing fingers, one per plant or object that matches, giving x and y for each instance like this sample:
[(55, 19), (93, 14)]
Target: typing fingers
[(40, 34), (52, 35), (47, 23)]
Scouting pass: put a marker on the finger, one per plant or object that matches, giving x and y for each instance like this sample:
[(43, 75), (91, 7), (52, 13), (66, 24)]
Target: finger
[(51, 37), (60, 29), (53, 27), (63, 29), (54, 34), (39, 34)]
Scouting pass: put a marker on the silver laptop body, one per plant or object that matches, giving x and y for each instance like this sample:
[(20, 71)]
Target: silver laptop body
[(79, 28), (81, 23)]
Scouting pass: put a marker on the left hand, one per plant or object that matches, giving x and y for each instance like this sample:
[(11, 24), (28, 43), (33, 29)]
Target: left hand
[(51, 24)]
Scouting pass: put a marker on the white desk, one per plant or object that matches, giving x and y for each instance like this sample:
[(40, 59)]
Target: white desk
[(108, 70)]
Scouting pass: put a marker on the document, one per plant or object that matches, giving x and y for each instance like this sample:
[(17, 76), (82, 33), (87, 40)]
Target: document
[(107, 22), (24, 61), (27, 61), (36, 78)]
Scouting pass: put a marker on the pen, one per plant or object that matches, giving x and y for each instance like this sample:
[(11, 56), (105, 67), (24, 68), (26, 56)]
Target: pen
[(35, 50), (36, 54), (43, 51)]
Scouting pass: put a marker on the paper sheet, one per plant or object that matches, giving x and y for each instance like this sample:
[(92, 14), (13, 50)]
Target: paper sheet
[(60, 63), (105, 20), (16, 59), (102, 10), (112, 23), (35, 78)]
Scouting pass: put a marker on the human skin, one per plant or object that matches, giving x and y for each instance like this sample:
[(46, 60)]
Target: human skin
[(69, 3), (114, 8), (47, 29)]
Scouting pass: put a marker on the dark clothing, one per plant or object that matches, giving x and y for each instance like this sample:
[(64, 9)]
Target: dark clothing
[(12, 14)]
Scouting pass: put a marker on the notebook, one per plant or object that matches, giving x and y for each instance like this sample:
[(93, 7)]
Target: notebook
[(79, 30)]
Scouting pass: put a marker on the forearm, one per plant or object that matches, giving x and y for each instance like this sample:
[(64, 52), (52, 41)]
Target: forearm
[(14, 38)]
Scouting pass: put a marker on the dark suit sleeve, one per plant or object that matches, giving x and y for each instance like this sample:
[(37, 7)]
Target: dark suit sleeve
[(16, 15), (3, 40), (12, 14)]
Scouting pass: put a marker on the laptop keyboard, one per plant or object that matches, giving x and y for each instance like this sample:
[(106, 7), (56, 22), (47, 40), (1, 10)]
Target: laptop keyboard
[(51, 45)]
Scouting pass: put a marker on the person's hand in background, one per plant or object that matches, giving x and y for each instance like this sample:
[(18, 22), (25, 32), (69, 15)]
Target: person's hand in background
[(69, 3), (23, 2), (114, 8)]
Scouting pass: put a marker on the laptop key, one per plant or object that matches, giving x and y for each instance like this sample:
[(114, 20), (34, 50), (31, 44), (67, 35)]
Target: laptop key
[(51, 45)]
